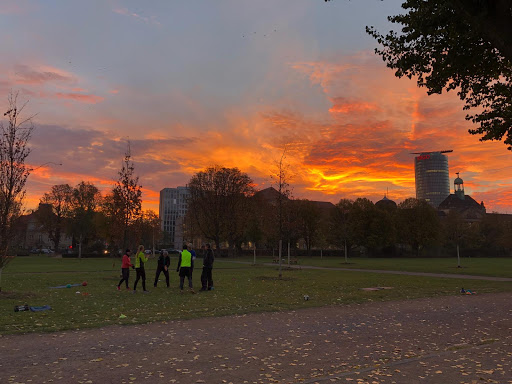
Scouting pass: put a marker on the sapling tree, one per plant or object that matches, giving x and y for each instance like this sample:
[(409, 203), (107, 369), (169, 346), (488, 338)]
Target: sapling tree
[(15, 135)]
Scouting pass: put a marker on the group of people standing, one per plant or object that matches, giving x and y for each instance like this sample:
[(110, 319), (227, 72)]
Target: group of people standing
[(185, 268)]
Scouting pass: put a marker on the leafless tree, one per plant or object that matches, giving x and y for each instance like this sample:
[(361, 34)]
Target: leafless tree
[(281, 178), (15, 134), (123, 206)]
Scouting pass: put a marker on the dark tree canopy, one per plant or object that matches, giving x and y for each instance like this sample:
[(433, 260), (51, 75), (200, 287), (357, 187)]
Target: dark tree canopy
[(492, 18), (450, 45), (218, 203), (128, 194), (418, 223), (85, 199), (54, 208)]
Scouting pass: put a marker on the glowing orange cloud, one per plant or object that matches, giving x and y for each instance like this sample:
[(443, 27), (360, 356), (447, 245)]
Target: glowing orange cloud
[(362, 156), (342, 105), (358, 145)]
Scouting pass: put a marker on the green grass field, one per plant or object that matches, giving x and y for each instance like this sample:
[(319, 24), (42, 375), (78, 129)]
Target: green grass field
[(239, 289), (501, 267)]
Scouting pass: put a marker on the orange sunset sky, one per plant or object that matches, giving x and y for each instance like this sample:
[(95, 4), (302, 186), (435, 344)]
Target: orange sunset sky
[(197, 83)]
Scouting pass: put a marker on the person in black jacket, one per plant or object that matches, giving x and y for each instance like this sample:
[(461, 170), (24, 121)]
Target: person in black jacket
[(206, 276), (164, 261)]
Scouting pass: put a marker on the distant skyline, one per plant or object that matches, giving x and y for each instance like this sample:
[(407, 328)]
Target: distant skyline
[(198, 83)]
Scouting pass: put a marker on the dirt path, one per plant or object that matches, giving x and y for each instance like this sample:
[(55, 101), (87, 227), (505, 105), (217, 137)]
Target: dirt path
[(461, 339)]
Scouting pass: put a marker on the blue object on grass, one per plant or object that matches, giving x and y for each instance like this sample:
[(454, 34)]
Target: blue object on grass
[(67, 285), (39, 309)]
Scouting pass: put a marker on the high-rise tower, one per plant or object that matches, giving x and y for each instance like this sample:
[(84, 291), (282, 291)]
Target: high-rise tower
[(432, 176), (173, 207)]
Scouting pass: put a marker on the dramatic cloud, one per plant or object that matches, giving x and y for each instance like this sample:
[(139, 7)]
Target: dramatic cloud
[(359, 146), (343, 105), (26, 75), (64, 155), (41, 82), (188, 98), (363, 149)]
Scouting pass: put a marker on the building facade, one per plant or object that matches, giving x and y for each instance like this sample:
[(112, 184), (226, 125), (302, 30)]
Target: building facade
[(432, 177), (172, 209), (468, 209), (31, 233)]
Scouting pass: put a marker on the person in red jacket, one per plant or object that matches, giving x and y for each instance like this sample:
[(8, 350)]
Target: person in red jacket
[(125, 269)]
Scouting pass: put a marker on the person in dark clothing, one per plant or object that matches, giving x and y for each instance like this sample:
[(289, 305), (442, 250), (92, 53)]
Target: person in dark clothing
[(206, 275), (185, 268), (164, 261), (193, 253)]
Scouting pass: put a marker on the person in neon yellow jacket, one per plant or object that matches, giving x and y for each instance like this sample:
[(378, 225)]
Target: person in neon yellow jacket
[(140, 259), (185, 268)]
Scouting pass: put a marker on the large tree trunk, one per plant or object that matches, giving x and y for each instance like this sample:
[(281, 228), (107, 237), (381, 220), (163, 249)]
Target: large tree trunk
[(56, 241), (80, 247), (280, 259), (217, 242), (288, 253), (458, 256)]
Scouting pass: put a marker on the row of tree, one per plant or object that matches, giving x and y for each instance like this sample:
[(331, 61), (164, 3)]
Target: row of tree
[(93, 220), (225, 208), (414, 226), (115, 220), (80, 211)]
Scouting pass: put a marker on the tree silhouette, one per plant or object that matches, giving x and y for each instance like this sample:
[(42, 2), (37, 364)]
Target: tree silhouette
[(124, 204), (13, 172)]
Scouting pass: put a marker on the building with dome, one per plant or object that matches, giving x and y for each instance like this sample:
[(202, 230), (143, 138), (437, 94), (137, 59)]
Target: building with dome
[(386, 204), (465, 205)]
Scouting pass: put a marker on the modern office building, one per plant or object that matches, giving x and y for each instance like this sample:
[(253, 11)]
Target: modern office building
[(173, 207), (432, 176)]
